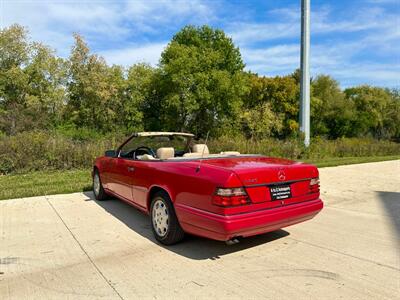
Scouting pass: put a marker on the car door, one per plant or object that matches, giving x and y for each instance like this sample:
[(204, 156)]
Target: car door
[(122, 178), (130, 178), (107, 170), (120, 170), (142, 176)]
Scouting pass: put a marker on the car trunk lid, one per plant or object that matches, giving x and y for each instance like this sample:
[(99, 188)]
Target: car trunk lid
[(270, 182)]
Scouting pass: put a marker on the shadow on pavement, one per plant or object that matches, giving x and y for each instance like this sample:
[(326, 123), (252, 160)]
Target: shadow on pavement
[(391, 203), (192, 246)]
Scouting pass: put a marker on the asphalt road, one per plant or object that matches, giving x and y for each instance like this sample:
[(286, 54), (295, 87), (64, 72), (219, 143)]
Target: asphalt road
[(70, 246)]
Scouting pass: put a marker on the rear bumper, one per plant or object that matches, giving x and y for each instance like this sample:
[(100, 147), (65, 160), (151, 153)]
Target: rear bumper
[(224, 228)]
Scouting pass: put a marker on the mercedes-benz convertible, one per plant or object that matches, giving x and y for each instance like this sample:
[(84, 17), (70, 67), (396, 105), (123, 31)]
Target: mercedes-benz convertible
[(223, 196)]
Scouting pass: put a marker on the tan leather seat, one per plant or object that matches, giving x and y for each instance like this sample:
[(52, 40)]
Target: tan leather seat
[(146, 157), (199, 148), (165, 152)]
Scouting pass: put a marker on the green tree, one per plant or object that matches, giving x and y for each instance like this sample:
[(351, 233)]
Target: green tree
[(47, 78), (331, 113), (31, 82), (392, 116), (92, 89), (14, 54), (261, 122), (377, 111), (282, 95), (201, 82), (140, 98)]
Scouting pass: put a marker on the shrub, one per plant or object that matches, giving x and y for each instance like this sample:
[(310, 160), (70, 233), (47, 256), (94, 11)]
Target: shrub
[(38, 150), (319, 148), (6, 164), (33, 151)]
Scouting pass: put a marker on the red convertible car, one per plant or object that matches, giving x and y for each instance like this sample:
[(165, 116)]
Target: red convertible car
[(223, 196)]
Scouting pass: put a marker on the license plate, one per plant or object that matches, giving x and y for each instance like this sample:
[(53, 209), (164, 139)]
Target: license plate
[(280, 192)]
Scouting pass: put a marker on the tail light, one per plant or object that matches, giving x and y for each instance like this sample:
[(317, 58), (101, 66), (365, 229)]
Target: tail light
[(314, 185), (230, 197)]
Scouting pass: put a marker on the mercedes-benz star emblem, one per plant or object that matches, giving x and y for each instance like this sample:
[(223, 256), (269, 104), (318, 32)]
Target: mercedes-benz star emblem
[(281, 175)]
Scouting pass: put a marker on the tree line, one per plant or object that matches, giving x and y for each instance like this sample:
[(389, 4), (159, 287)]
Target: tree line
[(199, 86)]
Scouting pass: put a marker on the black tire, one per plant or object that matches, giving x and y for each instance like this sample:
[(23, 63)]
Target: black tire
[(174, 233), (100, 194)]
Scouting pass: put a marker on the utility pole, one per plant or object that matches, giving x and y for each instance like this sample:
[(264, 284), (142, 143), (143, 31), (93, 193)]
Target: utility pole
[(305, 72)]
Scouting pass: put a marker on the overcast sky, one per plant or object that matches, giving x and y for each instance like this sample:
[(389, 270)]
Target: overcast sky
[(355, 41)]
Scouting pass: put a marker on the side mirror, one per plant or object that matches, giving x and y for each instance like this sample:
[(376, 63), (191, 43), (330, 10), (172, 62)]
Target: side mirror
[(111, 153)]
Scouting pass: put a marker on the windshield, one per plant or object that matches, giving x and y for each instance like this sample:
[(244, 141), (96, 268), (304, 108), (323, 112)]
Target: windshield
[(180, 144)]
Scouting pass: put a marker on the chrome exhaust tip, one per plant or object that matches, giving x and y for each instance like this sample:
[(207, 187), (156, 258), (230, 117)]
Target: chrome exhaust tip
[(232, 242)]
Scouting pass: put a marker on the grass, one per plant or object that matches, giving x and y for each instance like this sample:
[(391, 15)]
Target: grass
[(41, 183), (61, 182), (339, 161)]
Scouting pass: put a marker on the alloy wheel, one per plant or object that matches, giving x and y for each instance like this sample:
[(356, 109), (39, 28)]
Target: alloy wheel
[(160, 218)]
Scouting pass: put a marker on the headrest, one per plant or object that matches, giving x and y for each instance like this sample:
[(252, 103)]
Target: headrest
[(198, 148), (165, 152)]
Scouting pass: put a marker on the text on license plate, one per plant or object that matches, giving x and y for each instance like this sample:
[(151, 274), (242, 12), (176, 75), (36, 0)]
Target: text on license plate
[(280, 192)]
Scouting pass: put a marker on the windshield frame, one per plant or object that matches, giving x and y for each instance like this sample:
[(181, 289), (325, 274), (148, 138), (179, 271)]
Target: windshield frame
[(189, 138)]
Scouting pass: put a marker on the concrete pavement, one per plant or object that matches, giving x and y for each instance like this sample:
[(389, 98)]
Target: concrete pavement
[(72, 247)]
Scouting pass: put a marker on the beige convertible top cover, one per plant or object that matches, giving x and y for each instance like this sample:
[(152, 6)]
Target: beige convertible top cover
[(160, 133)]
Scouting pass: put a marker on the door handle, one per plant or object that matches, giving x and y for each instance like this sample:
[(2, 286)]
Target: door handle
[(131, 169)]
